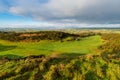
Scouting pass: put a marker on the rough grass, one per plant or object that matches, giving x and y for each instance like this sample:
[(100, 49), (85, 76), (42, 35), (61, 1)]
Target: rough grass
[(83, 68), (84, 46)]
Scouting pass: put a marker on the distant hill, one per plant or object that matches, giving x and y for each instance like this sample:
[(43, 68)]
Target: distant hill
[(32, 29)]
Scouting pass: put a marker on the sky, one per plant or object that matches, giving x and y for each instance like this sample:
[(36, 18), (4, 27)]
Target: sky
[(59, 13)]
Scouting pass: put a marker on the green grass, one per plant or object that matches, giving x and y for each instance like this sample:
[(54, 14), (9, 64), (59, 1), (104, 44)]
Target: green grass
[(88, 67), (85, 46), (83, 68)]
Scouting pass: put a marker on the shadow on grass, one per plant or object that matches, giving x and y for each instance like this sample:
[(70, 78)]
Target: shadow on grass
[(65, 58), (62, 58), (6, 48), (11, 56)]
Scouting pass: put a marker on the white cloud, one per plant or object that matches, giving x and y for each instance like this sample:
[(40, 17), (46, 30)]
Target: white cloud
[(46, 25)]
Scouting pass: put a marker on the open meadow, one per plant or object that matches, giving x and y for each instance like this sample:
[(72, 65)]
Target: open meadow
[(86, 45), (56, 55)]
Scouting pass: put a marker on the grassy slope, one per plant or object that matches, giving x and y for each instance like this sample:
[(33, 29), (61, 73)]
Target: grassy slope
[(83, 68), (88, 67), (84, 46)]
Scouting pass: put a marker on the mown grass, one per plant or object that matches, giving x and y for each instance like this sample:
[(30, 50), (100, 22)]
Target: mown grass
[(84, 46)]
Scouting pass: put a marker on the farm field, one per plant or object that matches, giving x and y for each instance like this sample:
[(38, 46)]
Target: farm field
[(86, 45)]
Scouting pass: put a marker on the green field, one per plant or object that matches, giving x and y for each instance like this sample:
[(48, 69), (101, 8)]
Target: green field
[(84, 46), (75, 60)]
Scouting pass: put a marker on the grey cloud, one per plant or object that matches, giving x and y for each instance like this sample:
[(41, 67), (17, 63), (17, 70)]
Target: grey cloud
[(79, 11)]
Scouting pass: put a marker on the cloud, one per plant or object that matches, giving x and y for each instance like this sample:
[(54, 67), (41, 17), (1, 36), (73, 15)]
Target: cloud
[(58, 25), (68, 11)]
